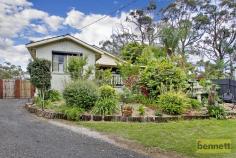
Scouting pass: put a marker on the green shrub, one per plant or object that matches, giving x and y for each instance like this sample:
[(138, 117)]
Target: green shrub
[(76, 67), (195, 104), (73, 113), (163, 72), (53, 95), (217, 112), (204, 101), (107, 91), (141, 110), (38, 101), (173, 102), (47, 103), (132, 51), (158, 113), (105, 106), (127, 96), (103, 77), (150, 102), (82, 94)]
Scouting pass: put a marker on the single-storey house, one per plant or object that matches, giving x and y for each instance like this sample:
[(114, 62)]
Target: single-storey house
[(58, 49)]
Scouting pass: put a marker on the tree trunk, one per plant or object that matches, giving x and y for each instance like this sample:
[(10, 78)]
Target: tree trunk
[(42, 97), (231, 68)]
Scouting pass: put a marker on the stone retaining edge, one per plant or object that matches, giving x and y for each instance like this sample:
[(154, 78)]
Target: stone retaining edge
[(56, 115)]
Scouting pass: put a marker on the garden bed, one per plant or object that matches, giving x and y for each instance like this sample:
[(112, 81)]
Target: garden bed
[(118, 118)]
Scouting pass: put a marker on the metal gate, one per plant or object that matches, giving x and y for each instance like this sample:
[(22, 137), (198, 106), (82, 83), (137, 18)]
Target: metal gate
[(16, 89), (225, 85)]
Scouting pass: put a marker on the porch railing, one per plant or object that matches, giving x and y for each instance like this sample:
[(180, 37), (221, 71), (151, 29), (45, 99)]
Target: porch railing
[(116, 80)]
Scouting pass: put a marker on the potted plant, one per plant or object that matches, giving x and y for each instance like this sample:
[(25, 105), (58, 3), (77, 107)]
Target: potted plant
[(127, 111)]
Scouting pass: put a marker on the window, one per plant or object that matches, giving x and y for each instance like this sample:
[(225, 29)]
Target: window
[(60, 60)]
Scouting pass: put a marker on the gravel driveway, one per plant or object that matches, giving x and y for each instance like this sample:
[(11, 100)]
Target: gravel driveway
[(24, 136)]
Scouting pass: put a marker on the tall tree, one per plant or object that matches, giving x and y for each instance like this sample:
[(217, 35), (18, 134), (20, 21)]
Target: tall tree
[(218, 42), (145, 24), (142, 28), (132, 51), (118, 41), (169, 38), (185, 16), (8, 71)]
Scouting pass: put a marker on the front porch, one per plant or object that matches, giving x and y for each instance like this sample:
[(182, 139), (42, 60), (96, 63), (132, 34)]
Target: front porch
[(115, 80)]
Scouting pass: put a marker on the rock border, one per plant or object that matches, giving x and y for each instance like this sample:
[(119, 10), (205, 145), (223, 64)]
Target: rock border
[(109, 118), (45, 114)]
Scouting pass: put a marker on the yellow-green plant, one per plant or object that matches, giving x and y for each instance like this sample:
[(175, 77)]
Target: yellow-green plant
[(174, 103)]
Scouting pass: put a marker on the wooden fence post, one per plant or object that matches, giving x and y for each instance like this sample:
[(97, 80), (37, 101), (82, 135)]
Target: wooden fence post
[(17, 89), (1, 89)]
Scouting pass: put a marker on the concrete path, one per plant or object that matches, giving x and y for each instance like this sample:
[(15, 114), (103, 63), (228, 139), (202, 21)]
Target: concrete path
[(25, 136)]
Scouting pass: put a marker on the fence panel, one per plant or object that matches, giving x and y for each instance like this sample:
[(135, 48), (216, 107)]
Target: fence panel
[(225, 85), (9, 89), (25, 90), (16, 89)]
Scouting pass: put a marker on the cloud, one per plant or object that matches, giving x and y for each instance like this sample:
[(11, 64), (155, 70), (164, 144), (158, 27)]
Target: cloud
[(17, 15), (5, 43), (33, 38), (97, 32), (15, 55), (18, 20), (39, 28), (74, 18), (54, 22)]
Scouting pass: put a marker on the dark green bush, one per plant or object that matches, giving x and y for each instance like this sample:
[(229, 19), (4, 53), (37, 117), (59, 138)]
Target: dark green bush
[(40, 73), (105, 106), (174, 103), (82, 94), (40, 76), (107, 91), (53, 95), (217, 112)]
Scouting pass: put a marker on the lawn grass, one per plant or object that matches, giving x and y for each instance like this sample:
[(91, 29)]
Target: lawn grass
[(174, 136)]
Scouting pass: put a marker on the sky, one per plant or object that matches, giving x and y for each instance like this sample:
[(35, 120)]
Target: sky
[(22, 21)]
